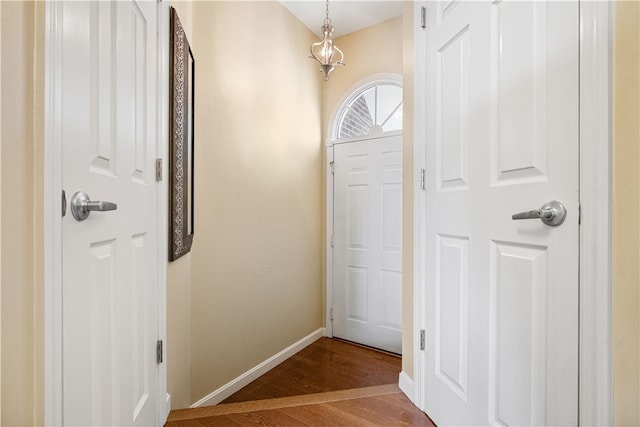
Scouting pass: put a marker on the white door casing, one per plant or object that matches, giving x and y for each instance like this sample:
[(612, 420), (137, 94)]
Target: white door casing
[(500, 298), (367, 206), (102, 112)]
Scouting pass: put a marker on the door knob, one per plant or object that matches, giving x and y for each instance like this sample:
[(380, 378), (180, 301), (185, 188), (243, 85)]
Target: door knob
[(551, 213), (81, 205)]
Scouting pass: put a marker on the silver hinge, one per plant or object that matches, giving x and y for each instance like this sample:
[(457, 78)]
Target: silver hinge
[(158, 170), (333, 241), (579, 213), (332, 165), (159, 352), (331, 314), (422, 339), (64, 203), (422, 183), (423, 17)]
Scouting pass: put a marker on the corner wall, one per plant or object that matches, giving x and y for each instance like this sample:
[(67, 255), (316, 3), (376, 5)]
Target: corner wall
[(256, 257), (22, 79), (626, 214), (179, 291)]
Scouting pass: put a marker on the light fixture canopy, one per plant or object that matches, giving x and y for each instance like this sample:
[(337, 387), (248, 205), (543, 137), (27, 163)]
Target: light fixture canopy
[(324, 51)]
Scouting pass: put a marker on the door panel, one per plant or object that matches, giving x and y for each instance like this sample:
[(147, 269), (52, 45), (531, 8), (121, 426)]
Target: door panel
[(452, 313), (517, 334), (502, 137), (110, 270), (367, 302), (520, 82), (453, 109)]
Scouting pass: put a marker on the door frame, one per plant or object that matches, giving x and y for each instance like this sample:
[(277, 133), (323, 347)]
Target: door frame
[(52, 251), (329, 157), (595, 375)]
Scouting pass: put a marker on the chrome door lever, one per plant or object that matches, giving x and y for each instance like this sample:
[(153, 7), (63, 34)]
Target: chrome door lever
[(81, 205), (551, 213)]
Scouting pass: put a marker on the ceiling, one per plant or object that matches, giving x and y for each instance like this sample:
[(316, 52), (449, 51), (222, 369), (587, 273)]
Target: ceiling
[(346, 15)]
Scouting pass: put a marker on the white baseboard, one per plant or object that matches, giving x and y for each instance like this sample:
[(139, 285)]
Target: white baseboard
[(406, 385), (167, 408), (236, 384)]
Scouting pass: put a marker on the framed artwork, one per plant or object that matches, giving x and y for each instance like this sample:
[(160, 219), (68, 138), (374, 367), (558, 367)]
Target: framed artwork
[(181, 144)]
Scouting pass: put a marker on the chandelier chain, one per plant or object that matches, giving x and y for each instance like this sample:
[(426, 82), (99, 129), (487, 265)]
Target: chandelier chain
[(327, 20)]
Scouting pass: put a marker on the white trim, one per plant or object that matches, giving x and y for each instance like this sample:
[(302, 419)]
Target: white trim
[(595, 401), (375, 78), (167, 405), (419, 200), (329, 249), (406, 385), (239, 382), (163, 10), (365, 137), (52, 221), (595, 198)]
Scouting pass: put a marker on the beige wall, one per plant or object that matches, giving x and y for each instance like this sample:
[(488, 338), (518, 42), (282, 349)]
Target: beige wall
[(21, 226), (626, 214), (407, 190), (179, 332), (179, 293), (0, 221), (256, 257)]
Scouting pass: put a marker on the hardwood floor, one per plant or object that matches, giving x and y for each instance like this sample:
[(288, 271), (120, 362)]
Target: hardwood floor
[(326, 365), (329, 383)]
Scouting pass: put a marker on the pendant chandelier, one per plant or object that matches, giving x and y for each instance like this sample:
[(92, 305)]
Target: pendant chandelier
[(325, 52)]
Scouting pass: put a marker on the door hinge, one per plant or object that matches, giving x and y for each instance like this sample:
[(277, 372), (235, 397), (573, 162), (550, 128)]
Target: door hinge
[(158, 170), (331, 314), (422, 179), (422, 339), (64, 203), (332, 166), (333, 241), (423, 17), (159, 352), (579, 213)]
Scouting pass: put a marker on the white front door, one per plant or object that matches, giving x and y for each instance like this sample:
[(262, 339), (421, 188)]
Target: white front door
[(110, 260), (367, 290), (501, 296)]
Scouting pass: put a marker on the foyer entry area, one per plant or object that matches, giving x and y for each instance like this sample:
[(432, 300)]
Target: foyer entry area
[(329, 383)]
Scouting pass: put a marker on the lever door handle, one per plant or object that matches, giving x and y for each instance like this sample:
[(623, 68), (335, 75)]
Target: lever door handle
[(82, 206), (534, 214), (101, 206), (551, 213)]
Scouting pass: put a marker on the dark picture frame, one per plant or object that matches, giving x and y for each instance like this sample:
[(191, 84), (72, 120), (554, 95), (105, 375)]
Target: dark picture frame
[(181, 143)]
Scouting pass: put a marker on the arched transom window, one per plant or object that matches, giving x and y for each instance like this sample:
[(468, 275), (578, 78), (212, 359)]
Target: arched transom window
[(374, 109)]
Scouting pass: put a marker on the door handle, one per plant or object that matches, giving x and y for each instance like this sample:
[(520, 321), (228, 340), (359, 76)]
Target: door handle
[(82, 206), (551, 213)]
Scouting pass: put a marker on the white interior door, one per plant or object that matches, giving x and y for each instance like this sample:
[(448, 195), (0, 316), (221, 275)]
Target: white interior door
[(367, 290), (110, 263), (501, 308)]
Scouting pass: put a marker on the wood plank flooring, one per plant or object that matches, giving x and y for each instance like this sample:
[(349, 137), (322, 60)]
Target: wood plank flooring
[(329, 383), (326, 365)]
